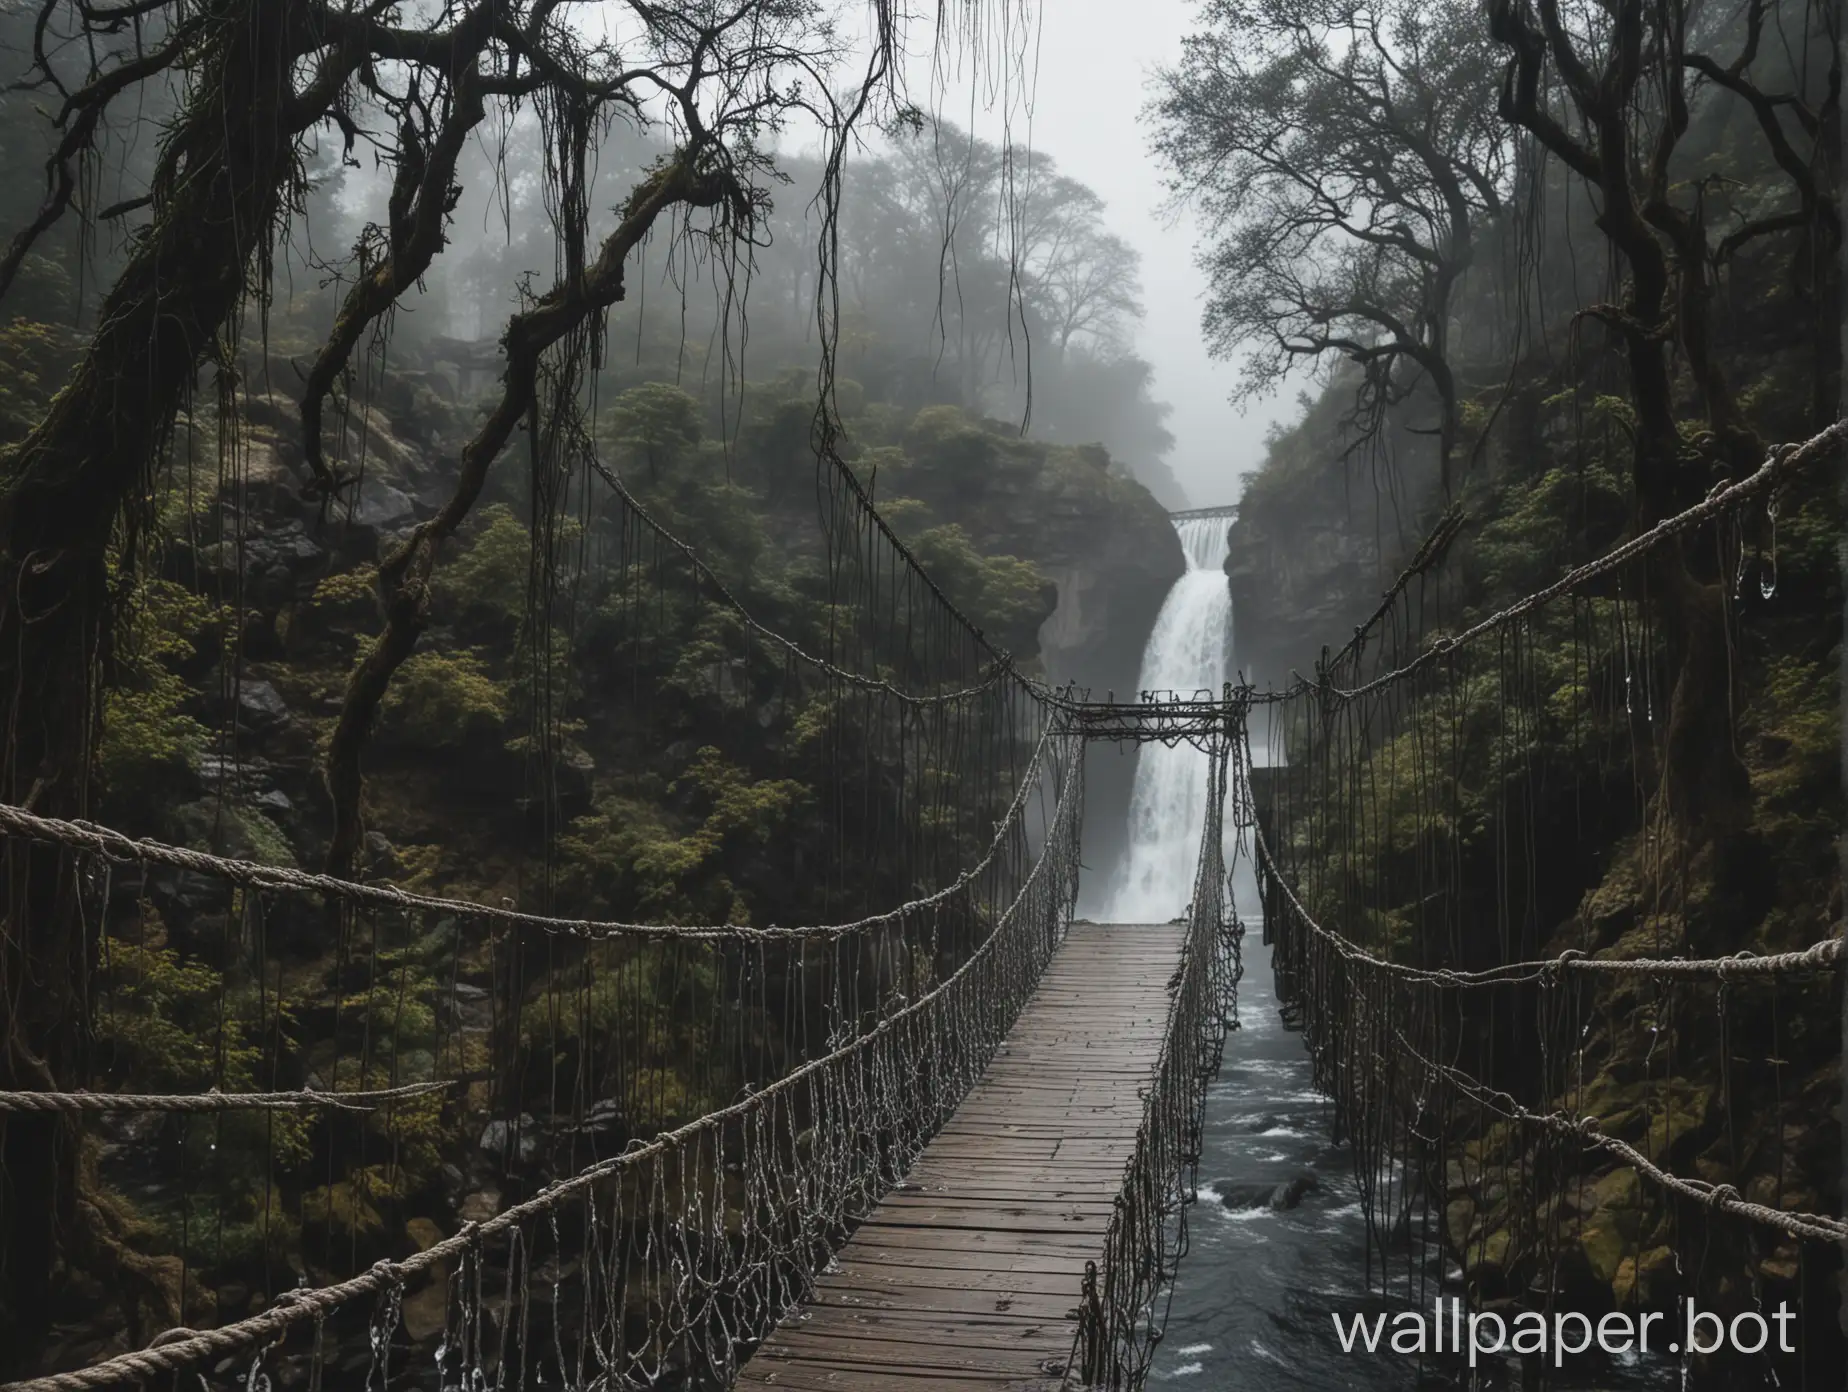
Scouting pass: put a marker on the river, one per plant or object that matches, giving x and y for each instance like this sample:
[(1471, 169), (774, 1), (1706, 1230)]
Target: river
[(1251, 1306), (1258, 1291)]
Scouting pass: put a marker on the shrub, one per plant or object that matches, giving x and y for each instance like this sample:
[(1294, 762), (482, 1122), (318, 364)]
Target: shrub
[(439, 700)]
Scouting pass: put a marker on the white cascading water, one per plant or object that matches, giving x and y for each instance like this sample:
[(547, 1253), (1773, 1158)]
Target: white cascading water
[(1189, 650)]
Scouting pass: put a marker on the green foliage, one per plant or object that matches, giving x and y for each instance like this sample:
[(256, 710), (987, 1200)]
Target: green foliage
[(1002, 595), (441, 700), (349, 591), (174, 1025), (647, 1008), (653, 427), (1537, 528), (1796, 761), (488, 581), (147, 736), (33, 356), (632, 859)]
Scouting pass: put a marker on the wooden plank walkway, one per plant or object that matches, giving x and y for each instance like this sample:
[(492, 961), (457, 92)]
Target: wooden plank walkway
[(967, 1277)]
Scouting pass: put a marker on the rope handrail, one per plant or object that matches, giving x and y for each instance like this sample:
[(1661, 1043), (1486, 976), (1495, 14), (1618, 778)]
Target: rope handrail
[(1121, 1314), (177, 1349), (118, 846), (1781, 461), (1826, 955), (212, 1100), (1723, 1197), (864, 500)]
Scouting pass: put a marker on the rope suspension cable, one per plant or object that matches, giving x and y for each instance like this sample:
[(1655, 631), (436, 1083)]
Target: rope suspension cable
[(1776, 467), (900, 1077), (215, 1101), (1827, 955), (87, 836), (571, 1030), (1001, 668), (1721, 1197), (1406, 833)]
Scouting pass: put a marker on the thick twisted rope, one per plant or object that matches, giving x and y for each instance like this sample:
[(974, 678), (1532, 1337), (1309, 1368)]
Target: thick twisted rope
[(1782, 461), (1000, 666), (1028, 925), (116, 845), (1722, 1198), (216, 1101), (1827, 955)]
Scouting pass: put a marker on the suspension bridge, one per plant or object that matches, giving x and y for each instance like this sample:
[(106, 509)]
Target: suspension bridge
[(951, 1143)]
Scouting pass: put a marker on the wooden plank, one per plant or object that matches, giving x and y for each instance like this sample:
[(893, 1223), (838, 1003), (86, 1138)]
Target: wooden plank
[(967, 1277)]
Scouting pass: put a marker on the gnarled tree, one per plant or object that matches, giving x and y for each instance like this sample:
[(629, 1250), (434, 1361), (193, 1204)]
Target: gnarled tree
[(257, 82), (1345, 156), (1610, 92)]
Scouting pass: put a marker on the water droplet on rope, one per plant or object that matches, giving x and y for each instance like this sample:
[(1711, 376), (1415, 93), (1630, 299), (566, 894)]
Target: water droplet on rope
[(1767, 578)]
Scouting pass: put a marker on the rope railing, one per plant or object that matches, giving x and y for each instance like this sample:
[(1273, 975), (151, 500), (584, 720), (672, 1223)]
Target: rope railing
[(1443, 812), (711, 1231), (1826, 955), (1001, 666), (1124, 1305), (1723, 1198), (213, 1100), (253, 875), (1781, 462)]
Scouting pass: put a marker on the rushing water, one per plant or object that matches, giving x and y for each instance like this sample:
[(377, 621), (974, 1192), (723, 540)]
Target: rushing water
[(1252, 1305), (1189, 651)]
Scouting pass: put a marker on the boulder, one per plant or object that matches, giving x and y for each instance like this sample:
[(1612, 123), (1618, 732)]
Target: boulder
[(479, 1206), (381, 507), (498, 1139), (260, 705), (1235, 1194)]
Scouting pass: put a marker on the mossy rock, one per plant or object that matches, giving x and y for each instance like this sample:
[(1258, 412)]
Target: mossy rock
[(1647, 1280), (1604, 1246), (1459, 1218), (1614, 905), (1654, 1114), (423, 1233)]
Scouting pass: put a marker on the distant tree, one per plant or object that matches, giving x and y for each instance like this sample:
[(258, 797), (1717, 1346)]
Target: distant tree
[(1345, 155), (1004, 272), (1078, 281), (1610, 91)]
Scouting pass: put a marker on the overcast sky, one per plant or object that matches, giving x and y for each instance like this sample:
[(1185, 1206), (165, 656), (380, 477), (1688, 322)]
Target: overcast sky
[(1095, 59)]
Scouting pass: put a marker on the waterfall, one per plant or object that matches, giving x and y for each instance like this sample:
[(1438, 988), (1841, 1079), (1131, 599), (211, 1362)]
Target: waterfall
[(1189, 650)]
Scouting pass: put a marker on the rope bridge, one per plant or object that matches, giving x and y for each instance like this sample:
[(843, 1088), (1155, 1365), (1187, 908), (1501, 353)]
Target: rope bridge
[(1521, 1076), (669, 1127), (652, 1130)]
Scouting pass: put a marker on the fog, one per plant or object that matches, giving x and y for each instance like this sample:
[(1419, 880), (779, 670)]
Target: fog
[(1086, 54)]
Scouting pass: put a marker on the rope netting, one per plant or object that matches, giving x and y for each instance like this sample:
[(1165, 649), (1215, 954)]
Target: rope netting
[(1565, 1097), (1127, 1292), (291, 1077), (655, 1261)]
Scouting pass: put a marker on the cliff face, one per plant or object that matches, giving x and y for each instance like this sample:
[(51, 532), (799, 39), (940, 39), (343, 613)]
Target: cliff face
[(1114, 566), (1320, 535), (1100, 537), (1299, 581), (1109, 547)]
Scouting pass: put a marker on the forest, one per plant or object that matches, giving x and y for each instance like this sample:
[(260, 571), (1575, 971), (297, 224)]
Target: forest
[(551, 553)]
